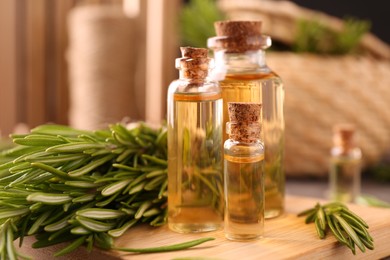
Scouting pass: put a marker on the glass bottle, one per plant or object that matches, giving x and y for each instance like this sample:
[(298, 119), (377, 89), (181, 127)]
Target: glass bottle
[(244, 173), (241, 69), (345, 163), (195, 181)]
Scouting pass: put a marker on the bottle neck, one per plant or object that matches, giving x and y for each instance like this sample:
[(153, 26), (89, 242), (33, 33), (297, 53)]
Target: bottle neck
[(243, 62), (344, 144), (194, 69), (344, 148), (193, 75), (244, 132)]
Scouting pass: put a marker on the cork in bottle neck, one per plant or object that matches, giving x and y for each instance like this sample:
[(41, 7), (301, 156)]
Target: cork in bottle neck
[(344, 137), (194, 63), (244, 121), (238, 36)]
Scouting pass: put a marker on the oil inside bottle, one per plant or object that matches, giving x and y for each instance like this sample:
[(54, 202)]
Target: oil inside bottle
[(344, 179), (195, 167), (345, 163), (244, 213), (267, 89)]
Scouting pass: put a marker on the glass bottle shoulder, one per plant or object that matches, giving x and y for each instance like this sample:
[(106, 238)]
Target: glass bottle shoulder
[(251, 75), (185, 86), (250, 66), (351, 154), (251, 81), (241, 149)]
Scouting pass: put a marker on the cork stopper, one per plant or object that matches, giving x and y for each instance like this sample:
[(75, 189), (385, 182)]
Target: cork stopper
[(194, 63), (242, 112), (344, 136), (191, 52), (237, 28), (238, 36), (244, 122)]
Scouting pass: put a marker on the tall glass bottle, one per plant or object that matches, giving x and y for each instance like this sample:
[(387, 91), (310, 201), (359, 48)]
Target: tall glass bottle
[(345, 163), (195, 184), (244, 173), (239, 53)]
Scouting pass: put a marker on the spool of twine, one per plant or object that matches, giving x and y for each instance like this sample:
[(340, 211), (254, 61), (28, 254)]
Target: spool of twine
[(101, 66)]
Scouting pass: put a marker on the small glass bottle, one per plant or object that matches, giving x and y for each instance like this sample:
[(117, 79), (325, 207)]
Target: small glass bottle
[(195, 152), (239, 53), (244, 173), (345, 163)]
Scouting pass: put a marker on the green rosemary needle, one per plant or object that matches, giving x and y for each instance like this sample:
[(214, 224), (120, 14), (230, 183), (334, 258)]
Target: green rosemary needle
[(84, 187), (348, 228)]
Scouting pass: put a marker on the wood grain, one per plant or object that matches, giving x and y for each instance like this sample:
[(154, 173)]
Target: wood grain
[(61, 69), (35, 44), (286, 237), (161, 50), (7, 67), (33, 67)]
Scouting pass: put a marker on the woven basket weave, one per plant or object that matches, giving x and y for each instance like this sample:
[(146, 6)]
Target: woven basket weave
[(324, 90)]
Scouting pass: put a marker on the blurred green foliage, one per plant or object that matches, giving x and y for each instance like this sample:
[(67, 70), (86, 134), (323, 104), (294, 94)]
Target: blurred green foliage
[(197, 25), (381, 170), (370, 200), (197, 22), (5, 144), (314, 37)]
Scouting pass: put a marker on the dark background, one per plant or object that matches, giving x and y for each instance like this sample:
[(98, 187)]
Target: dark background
[(375, 11)]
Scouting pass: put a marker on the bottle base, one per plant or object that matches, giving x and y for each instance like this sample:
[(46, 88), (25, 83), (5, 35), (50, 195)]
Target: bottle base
[(194, 228), (273, 213), (242, 237)]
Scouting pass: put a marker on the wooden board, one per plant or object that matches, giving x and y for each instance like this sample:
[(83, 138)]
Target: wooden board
[(8, 110), (286, 237)]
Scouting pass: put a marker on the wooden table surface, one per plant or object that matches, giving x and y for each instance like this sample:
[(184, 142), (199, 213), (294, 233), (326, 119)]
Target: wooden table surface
[(286, 237)]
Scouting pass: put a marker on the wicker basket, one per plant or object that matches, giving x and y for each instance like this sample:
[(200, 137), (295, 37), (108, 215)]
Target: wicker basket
[(324, 90)]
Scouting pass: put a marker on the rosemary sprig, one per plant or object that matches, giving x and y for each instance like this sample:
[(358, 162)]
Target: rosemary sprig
[(313, 36), (196, 22), (348, 228), (63, 184)]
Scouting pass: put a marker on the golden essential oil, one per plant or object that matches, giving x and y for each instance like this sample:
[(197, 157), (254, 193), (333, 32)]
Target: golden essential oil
[(195, 182), (244, 173), (241, 69), (345, 165), (254, 88), (244, 185), (344, 179)]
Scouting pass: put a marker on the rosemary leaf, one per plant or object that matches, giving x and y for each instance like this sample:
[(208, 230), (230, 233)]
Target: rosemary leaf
[(348, 228)]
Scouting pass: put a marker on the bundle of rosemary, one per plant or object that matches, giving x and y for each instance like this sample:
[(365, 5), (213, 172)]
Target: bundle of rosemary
[(63, 184), (348, 228)]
